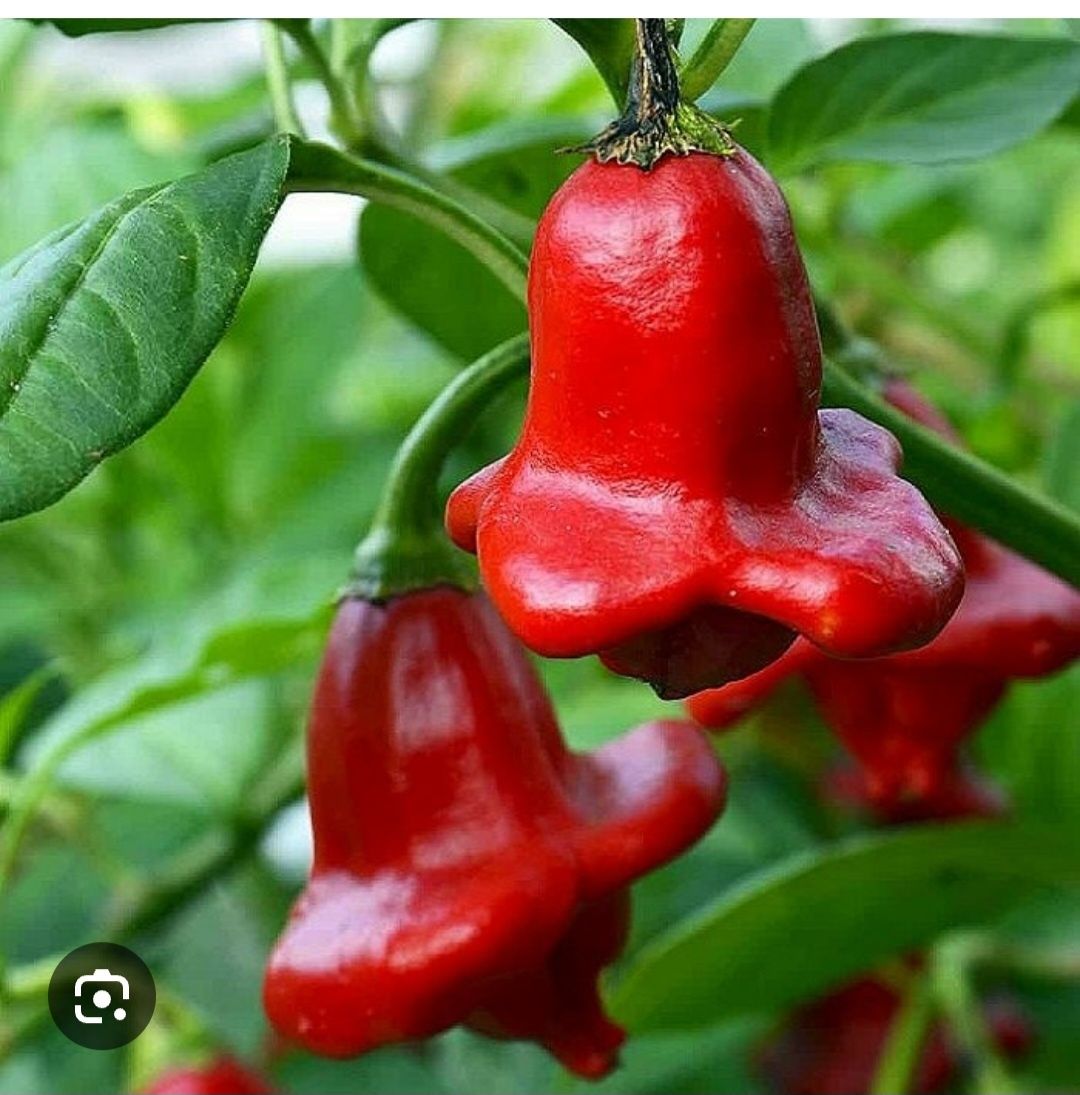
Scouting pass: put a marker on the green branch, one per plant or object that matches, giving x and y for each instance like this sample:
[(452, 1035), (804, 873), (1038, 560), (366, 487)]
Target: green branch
[(320, 168), (343, 116), (208, 860), (959, 1003), (712, 56), (902, 1052), (277, 80), (407, 547)]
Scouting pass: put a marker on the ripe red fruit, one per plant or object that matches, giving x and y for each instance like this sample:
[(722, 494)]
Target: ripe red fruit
[(676, 501), (224, 1076), (904, 717), (468, 867)]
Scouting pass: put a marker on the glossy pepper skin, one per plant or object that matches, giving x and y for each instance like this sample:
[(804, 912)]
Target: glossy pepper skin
[(223, 1076), (904, 717), (468, 867), (676, 501), (832, 1046)]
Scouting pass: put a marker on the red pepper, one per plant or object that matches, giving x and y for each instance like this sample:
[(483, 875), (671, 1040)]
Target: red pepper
[(224, 1076), (832, 1046), (956, 793), (905, 716), (468, 867), (677, 502)]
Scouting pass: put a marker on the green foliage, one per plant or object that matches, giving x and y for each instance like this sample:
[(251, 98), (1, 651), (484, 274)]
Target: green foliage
[(176, 599), (104, 323), (921, 98), (76, 28), (911, 887)]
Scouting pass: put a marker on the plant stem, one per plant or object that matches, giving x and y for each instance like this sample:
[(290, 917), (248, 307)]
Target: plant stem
[(656, 122), (381, 144), (407, 548), (30, 980), (212, 858), (713, 55), (277, 79), (343, 119), (418, 463), (320, 168), (960, 1004), (386, 149), (858, 264), (901, 1055)]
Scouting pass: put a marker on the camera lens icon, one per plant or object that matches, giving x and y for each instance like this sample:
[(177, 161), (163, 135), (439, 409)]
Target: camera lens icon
[(101, 997)]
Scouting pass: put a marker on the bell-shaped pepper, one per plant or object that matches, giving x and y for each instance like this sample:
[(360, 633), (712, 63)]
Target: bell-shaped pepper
[(223, 1076), (955, 793), (903, 717), (677, 502), (468, 867), (832, 1046)]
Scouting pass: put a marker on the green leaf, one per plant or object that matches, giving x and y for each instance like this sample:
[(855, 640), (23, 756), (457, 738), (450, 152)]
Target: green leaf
[(924, 97), (436, 283), (77, 28), (16, 705), (214, 957), (1031, 746), (610, 46), (817, 918), (104, 323), (713, 54), (717, 1059), (192, 753)]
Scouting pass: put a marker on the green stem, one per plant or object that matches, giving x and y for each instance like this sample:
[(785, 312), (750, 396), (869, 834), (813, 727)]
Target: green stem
[(1051, 962), (386, 149), (966, 487), (406, 547), (31, 980), (902, 1053), (277, 79), (319, 168), (381, 144), (210, 859), (713, 55), (960, 1004), (343, 120)]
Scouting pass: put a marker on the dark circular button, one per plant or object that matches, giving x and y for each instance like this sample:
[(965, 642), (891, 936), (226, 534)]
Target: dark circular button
[(102, 996)]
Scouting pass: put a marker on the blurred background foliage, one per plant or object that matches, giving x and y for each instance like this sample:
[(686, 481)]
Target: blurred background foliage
[(191, 548)]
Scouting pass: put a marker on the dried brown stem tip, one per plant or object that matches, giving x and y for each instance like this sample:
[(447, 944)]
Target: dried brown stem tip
[(655, 121)]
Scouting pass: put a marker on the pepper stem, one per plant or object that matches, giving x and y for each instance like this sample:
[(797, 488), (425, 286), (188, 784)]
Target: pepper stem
[(655, 121), (406, 548)]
